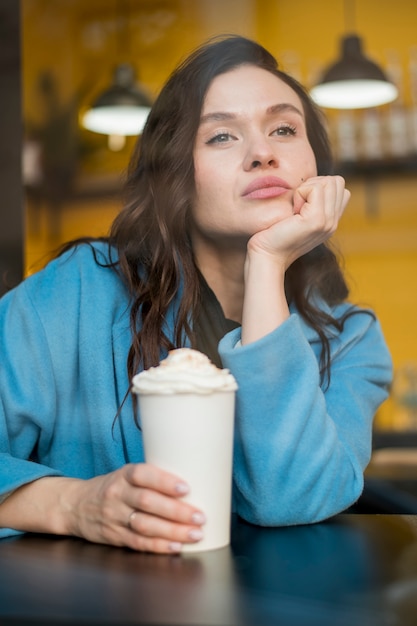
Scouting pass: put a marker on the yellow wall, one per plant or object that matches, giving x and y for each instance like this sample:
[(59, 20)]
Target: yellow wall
[(381, 263), (77, 41)]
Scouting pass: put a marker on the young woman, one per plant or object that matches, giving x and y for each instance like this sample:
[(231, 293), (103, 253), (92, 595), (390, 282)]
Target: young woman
[(222, 245)]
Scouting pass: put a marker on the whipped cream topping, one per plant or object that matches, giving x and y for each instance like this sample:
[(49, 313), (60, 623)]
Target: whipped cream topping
[(184, 371)]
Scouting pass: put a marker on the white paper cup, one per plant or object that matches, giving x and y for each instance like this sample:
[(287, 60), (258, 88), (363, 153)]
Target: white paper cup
[(191, 436)]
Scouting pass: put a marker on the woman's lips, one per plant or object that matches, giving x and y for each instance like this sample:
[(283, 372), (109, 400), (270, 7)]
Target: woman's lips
[(267, 187)]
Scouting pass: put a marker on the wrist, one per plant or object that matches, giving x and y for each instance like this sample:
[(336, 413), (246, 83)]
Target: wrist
[(67, 512), (44, 505), (263, 264), (265, 305)]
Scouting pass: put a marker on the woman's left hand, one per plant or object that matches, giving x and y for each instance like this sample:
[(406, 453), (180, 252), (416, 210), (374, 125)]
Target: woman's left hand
[(318, 204)]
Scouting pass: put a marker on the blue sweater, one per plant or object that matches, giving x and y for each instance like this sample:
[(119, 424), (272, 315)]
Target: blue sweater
[(300, 450)]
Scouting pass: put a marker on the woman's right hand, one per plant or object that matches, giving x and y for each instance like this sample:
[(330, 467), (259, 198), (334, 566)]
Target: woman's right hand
[(318, 205), (138, 506)]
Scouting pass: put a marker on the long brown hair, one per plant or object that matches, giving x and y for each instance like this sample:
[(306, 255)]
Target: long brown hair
[(151, 233)]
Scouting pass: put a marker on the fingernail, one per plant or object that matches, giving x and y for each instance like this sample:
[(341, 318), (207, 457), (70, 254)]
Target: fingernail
[(182, 488), (175, 546), (198, 518), (195, 534)]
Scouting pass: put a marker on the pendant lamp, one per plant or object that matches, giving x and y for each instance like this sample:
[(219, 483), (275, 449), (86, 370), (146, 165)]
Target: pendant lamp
[(122, 109), (354, 81)]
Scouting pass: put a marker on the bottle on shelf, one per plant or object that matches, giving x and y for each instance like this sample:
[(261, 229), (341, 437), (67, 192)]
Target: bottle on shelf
[(413, 92), (371, 144), (346, 137), (396, 121)]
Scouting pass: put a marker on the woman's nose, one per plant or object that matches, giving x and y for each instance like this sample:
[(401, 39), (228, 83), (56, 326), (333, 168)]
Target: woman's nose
[(260, 154)]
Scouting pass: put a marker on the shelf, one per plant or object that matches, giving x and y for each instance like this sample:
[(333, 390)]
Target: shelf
[(377, 168)]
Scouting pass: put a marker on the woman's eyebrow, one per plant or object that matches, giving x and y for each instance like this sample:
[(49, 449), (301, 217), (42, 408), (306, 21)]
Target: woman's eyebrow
[(283, 107), (219, 116)]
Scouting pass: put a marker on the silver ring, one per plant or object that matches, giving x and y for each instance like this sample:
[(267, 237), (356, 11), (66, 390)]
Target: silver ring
[(130, 519)]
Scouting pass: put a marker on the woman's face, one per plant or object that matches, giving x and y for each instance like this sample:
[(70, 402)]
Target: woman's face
[(251, 152)]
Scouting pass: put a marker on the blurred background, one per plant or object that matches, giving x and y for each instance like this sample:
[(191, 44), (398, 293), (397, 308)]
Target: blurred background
[(72, 177)]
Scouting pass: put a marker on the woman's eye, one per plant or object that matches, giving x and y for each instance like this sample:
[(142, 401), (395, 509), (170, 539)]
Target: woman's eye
[(285, 130), (220, 138)]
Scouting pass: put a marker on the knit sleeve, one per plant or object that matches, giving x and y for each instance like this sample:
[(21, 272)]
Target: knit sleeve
[(301, 447), (27, 393)]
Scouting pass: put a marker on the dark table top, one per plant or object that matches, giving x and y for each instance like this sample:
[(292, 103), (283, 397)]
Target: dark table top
[(388, 494), (353, 570)]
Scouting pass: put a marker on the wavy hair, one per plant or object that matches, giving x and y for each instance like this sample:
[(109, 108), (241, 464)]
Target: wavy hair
[(151, 233)]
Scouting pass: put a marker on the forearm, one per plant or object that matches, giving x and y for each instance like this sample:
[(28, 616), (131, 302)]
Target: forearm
[(40, 506), (318, 204), (265, 305), (300, 452), (100, 509), (287, 449)]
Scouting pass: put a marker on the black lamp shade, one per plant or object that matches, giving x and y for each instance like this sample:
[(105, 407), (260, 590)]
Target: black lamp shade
[(353, 64), (120, 110), (354, 81)]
